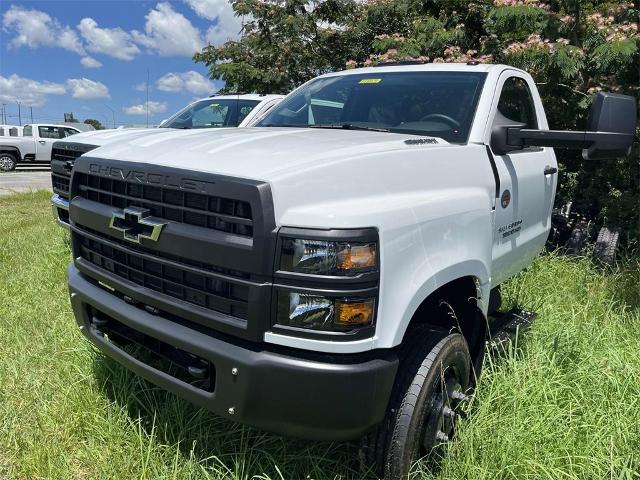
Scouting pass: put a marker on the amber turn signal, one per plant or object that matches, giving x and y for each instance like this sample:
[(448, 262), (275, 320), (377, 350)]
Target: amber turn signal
[(354, 314), (357, 257)]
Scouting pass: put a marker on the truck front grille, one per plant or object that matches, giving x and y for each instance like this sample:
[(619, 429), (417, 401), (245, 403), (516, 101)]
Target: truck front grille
[(60, 184), (63, 157), (212, 262), (189, 284), (213, 212)]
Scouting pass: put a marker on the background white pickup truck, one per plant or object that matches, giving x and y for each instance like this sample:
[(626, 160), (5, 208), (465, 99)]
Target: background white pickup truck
[(34, 144), (329, 273)]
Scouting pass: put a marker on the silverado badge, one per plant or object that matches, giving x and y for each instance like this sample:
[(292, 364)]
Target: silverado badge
[(136, 224)]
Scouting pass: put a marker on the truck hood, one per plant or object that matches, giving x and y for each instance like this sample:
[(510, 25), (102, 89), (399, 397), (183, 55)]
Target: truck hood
[(103, 137), (257, 153)]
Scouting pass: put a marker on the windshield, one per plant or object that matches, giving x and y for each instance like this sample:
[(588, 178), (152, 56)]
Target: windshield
[(439, 104), (212, 113)]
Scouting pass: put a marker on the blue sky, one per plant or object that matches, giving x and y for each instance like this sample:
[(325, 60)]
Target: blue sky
[(91, 56)]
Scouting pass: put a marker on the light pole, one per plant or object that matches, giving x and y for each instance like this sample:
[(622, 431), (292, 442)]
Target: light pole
[(19, 113), (147, 104), (4, 113), (113, 113)]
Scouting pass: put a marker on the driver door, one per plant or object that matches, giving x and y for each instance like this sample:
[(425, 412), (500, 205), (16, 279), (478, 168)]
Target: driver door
[(527, 181), (46, 136)]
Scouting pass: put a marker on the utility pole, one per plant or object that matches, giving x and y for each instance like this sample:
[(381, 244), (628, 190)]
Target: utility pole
[(31, 109), (147, 104), (4, 113), (113, 113), (19, 113)]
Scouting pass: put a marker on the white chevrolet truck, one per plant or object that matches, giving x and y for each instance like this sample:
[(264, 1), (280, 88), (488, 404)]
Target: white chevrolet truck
[(327, 274), (34, 144), (216, 111)]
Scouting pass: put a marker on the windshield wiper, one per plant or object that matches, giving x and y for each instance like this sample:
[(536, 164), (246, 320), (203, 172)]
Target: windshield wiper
[(291, 125), (350, 126)]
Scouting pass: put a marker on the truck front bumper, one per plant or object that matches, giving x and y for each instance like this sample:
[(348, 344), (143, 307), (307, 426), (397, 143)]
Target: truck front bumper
[(287, 391), (60, 207)]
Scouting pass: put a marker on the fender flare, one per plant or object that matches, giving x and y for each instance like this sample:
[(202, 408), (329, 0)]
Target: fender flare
[(475, 269), (11, 149)]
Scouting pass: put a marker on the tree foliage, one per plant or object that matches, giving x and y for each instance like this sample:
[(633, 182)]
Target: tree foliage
[(94, 123), (572, 48)]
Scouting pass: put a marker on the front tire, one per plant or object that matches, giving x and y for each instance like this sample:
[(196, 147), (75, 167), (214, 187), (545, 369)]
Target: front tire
[(8, 162), (433, 377)]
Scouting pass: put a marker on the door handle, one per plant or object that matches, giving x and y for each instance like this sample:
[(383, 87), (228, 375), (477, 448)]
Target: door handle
[(548, 170), (42, 142)]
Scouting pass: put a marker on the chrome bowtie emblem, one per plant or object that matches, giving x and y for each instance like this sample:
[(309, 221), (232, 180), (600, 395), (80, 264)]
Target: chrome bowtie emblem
[(136, 224)]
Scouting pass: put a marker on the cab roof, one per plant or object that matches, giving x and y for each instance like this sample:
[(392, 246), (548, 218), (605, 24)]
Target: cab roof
[(426, 67)]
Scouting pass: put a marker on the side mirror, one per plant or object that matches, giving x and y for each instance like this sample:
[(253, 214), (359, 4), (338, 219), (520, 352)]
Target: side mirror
[(613, 113), (611, 126)]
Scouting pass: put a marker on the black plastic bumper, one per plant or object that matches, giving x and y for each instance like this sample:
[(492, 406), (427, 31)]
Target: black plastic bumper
[(333, 398)]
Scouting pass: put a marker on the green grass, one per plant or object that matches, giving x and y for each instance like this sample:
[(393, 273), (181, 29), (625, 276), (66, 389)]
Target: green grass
[(563, 404)]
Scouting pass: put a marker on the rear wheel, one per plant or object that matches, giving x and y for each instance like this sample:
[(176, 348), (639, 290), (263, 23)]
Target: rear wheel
[(606, 248), (433, 378), (8, 161)]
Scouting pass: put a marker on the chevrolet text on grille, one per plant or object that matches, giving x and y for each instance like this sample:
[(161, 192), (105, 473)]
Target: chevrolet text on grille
[(151, 178)]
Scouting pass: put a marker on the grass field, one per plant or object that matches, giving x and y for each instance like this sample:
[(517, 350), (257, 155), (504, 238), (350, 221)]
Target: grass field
[(563, 404)]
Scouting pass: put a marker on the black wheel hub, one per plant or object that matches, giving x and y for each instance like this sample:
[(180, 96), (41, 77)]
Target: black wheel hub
[(441, 413)]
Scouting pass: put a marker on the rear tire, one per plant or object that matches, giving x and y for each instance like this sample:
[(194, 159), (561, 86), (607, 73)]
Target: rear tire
[(606, 248), (8, 162), (433, 376)]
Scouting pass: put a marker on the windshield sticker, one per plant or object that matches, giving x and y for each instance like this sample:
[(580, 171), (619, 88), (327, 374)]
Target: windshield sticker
[(370, 80), (213, 105)]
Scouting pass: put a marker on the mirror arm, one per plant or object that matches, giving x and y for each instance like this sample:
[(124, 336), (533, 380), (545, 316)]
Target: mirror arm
[(523, 137), (546, 138)]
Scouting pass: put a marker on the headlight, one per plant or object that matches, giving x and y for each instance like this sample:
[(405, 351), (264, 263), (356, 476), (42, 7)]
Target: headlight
[(315, 312), (320, 257)]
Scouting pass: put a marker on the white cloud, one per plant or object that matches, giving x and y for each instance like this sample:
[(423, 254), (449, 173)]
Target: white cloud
[(87, 89), (190, 81), (90, 62), (35, 28), (141, 108), (222, 32), (227, 24), (114, 42), (141, 87), (27, 91), (168, 33)]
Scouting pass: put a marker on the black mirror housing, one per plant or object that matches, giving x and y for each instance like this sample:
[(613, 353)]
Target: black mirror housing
[(613, 113)]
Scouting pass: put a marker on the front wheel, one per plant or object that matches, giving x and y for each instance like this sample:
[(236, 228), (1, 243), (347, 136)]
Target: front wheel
[(8, 162), (433, 378)]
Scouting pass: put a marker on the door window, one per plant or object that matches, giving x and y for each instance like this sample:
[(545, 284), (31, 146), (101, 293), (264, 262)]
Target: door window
[(69, 131), (51, 132), (516, 102), (27, 131)]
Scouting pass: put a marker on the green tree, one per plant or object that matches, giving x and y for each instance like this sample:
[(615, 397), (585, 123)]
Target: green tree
[(283, 44), (94, 123)]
